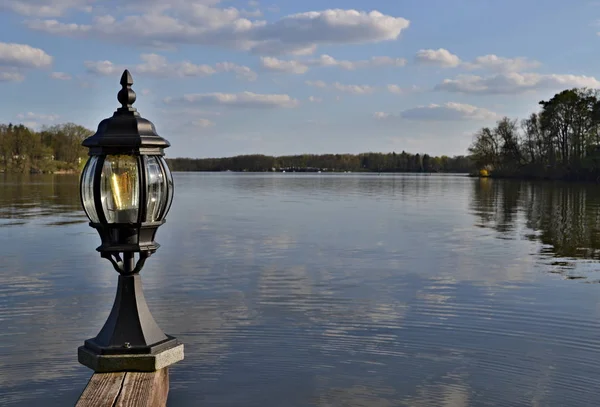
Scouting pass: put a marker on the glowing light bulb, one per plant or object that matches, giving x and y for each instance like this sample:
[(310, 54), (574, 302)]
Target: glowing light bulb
[(123, 191), (121, 188)]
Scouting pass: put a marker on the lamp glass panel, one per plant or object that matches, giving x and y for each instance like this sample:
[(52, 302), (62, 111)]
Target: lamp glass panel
[(170, 186), (87, 189), (120, 189), (157, 192)]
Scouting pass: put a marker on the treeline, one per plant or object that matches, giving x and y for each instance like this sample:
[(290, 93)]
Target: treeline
[(561, 141), (374, 162), (56, 148)]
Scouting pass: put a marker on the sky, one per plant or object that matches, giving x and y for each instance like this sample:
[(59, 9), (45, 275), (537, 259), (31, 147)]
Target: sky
[(222, 78)]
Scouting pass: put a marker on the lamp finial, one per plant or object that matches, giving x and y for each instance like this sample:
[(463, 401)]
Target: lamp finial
[(126, 95)]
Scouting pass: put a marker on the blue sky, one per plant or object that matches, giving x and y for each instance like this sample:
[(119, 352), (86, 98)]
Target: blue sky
[(221, 78)]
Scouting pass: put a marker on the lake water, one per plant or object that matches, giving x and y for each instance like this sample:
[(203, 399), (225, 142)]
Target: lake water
[(321, 290)]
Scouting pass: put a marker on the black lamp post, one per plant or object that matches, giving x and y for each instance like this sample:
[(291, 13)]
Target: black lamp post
[(126, 192)]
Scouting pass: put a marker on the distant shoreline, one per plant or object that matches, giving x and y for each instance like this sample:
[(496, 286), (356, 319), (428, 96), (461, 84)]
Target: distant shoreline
[(324, 172), (58, 172), (364, 162)]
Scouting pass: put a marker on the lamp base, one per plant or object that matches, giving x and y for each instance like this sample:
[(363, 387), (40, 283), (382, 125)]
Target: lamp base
[(127, 349), (107, 363)]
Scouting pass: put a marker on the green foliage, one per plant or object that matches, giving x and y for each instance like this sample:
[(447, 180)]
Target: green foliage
[(376, 162), (562, 141), (56, 148)]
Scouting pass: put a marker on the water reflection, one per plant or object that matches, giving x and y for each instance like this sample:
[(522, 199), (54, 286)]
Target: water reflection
[(28, 196), (307, 290), (564, 218)]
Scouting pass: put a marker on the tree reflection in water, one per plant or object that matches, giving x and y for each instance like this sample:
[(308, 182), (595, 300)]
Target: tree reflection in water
[(26, 197), (563, 217)]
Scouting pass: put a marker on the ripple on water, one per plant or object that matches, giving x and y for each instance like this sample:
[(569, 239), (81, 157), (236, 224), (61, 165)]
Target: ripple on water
[(323, 291)]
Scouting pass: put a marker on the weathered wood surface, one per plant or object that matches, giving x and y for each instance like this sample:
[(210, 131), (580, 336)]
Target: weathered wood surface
[(126, 389)]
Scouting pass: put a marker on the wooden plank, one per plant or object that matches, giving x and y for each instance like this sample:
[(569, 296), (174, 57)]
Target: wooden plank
[(126, 389), (145, 389), (102, 390)]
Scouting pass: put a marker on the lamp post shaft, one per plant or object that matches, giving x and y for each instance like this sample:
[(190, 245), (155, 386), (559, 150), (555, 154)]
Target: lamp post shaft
[(128, 262)]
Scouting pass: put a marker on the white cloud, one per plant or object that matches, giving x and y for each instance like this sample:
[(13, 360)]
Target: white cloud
[(11, 76), (37, 117), (316, 84), (334, 26), (241, 71), (43, 8), (395, 89), (500, 64), (514, 83), (158, 65), (314, 99), (448, 111), (356, 89), (381, 115), (445, 59), (400, 90), (440, 57), (301, 66), (278, 65), (57, 28), (61, 76), (242, 100), (14, 58), (203, 123), (101, 67), (327, 60), (195, 23), (23, 56), (189, 111), (387, 61)]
